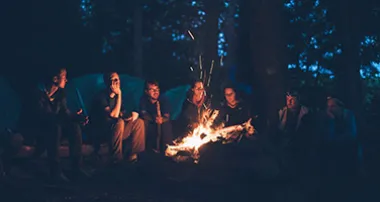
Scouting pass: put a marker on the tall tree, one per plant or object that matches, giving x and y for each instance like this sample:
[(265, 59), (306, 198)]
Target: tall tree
[(268, 47), (347, 69), (355, 24), (210, 31), (138, 38)]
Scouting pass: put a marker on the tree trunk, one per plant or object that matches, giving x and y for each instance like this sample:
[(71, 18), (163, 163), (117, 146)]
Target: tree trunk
[(211, 31), (230, 35), (210, 38), (348, 79), (268, 46), (138, 39)]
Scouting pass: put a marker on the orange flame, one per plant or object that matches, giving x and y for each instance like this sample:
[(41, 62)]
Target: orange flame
[(201, 135)]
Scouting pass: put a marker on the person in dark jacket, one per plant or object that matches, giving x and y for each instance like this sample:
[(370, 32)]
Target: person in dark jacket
[(193, 108), (46, 118), (295, 134), (155, 111), (235, 111), (340, 146)]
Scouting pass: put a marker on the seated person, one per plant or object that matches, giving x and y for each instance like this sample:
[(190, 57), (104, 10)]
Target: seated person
[(234, 111), (111, 123), (155, 112), (45, 118), (295, 133), (340, 144), (193, 108), (294, 120)]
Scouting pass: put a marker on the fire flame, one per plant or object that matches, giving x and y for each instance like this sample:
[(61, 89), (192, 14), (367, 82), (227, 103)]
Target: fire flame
[(201, 135)]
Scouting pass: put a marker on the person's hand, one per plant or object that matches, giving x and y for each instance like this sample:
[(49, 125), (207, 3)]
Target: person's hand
[(239, 128), (250, 130), (159, 120), (128, 119), (80, 111), (86, 120), (115, 87), (135, 116), (82, 119)]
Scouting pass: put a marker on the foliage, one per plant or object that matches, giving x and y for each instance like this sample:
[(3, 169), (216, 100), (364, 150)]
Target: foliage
[(315, 36), (168, 47)]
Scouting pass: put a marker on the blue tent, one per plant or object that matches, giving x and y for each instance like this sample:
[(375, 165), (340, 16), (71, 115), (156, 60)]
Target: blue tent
[(10, 105), (87, 86), (132, 87)]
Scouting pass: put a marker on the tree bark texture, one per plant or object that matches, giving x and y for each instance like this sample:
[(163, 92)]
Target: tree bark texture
[(268, 45), (138, 39)]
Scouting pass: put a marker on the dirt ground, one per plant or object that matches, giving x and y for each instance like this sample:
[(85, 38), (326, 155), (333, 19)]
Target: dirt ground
[(220, 176)]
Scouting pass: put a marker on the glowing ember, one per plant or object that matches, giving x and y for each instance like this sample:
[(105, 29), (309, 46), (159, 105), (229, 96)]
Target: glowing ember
[(201, 135)]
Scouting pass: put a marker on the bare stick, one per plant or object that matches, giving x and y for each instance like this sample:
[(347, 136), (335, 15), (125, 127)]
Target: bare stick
[(159, 132), (210, 74), (191, 34), (200, 66), (204, 77)]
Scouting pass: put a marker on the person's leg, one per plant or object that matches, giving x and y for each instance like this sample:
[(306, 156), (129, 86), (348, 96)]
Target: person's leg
[(52, 139), (167, 134), (41, 142), (151, 135), (74, 134), (136, 131), (117, 139)]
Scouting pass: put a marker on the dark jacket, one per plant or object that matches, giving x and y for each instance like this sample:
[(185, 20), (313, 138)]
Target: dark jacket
[(298, 135), (148, 111), (38, 110), (234, 116), (190, 114)]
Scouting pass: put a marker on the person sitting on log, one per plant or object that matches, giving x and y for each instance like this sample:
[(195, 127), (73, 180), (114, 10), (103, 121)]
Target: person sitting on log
[(340, 147), (111, 123), (193, 108), (45, 118), (295, 133), (155, 111), (235, 111)]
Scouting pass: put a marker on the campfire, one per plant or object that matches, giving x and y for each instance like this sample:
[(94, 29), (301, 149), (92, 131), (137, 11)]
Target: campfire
[(204, 133)]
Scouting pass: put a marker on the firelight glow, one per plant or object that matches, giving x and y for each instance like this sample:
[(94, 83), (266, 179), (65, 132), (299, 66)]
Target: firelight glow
[(202, 135)]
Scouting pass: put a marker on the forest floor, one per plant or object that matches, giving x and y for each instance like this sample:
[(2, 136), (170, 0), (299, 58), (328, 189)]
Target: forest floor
[(156, 178)]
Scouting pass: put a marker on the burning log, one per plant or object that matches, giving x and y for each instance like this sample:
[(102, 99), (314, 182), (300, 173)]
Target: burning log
[(202, 135)]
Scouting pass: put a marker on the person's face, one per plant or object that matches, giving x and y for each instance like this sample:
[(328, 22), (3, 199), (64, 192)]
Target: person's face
[(292, 102), (333, 107), (230, 95), (198, 90), (114, 80), (61, 79), (153, 91)]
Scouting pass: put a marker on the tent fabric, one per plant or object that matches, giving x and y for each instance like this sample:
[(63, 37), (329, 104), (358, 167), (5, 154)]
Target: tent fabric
[(10, 105), (133, 89), (88, 86)]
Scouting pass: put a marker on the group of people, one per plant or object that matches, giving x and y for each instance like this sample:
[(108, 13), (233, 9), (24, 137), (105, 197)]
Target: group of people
[(46, 119)]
